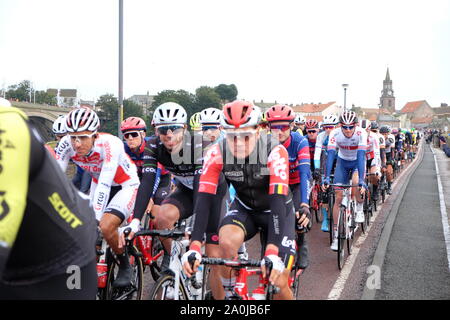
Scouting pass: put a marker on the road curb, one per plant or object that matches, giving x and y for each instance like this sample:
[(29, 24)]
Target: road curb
[(378, 259)]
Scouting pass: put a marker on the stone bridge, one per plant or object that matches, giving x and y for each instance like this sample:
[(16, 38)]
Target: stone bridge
[(42, 116)]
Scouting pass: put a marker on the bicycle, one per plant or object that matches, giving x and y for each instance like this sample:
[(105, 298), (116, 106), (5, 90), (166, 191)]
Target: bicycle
[(314, 201), (173, 284), (264, 291), (107, 269), (346, 222)]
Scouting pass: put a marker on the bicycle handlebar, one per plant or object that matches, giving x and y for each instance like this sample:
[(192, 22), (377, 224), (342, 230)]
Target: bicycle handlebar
[(176, 233), (231, 263)]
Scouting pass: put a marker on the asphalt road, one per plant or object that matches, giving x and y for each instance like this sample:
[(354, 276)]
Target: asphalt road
[(415, 264)]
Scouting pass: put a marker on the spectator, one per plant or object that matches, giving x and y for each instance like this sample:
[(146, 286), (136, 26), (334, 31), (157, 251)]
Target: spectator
[(444, 145)]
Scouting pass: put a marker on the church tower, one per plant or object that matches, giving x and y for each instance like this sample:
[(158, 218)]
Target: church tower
[(387, 99)]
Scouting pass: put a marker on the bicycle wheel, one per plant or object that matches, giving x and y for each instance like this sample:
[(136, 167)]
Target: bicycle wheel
[(131, 292), (295, 274), (157, 247), (317, 207), (330, 215), (383, 192), (352, 232), (164, 289), (341, 238)]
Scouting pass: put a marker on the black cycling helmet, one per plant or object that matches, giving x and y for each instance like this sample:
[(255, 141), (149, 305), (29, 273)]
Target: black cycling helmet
[(385, 129), (374, 125)]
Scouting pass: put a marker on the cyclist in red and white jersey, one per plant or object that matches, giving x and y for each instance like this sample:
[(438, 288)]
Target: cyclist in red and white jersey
[(373, 163), (351, 141), (104, 157), (263, 199)]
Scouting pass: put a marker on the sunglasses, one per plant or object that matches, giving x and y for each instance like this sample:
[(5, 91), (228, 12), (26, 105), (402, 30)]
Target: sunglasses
[(328, 127), (81, 138), (283, 127), (164, 129), (347, 127), (129, 135), (374, 130), (311, 131), (206, 128)]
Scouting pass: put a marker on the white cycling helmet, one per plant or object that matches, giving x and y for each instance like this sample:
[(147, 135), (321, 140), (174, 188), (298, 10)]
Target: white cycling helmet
[(348, 117), (299, 119), (330, 119), (59, 126), (82, 119), (169, 113), (210, 115), (5, 103)]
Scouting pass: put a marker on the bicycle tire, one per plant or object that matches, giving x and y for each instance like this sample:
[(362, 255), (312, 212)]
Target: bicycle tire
[(341, 238), (353, 223), (136, 287), (166, 280), (317, 206), (155, 266), (330, 216), (296, 282)]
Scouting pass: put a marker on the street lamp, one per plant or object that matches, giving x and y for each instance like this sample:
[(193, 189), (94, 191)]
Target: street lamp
[(120, 115), (345, 86)]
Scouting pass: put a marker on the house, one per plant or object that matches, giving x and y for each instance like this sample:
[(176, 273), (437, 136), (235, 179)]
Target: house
[(144, 100), (417, 109), (65, 97), (422, 122), (442, 112), (320, 109), (388, 120)]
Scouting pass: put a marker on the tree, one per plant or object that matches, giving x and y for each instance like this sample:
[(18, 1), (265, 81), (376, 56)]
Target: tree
[(206, 97), (227, 93), (44, 97), (20, 92), (108, 108)]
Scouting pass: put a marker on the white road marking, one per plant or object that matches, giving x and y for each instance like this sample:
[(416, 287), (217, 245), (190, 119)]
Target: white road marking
[(443, 210), (339, 285)]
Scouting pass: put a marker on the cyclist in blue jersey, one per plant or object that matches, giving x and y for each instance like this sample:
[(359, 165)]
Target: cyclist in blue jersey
[(280, 118)]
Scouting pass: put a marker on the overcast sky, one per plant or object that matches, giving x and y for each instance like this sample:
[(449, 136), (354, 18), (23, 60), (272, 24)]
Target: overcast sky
[(288, 51)]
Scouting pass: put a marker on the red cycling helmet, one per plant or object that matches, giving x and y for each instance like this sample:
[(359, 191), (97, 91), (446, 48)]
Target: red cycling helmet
[(280, 112), (240, 114), (133, 123), (312, 124)]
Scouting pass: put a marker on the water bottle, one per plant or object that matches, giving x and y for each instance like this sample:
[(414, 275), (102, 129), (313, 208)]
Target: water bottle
[(102, 273)]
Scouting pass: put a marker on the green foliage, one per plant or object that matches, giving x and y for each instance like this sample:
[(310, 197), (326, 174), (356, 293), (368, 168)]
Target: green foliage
[(22, 91), (227, 93), (206, 97)]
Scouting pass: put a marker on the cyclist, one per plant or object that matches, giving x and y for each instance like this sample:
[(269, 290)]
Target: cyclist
[(104, 157), (299, 122), (320, 154), (59, 127), (134, 132), (181, 154), (373, 160), (389, 140), (382, 144), (263, 198), (47, 228), (352, 143), (312, 131), (280, 118), (210, 124), (194, 123)]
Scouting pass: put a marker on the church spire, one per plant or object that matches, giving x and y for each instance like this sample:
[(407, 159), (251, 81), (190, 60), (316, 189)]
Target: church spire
[(388, 78)]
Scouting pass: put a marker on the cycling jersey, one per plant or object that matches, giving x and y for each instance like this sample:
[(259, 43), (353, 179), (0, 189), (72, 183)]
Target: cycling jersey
[(351, 149), (109, 165), (46, 225), (260, 185), (312, 148), (321, 146), (373, 149), (299, 164), (183, 166)]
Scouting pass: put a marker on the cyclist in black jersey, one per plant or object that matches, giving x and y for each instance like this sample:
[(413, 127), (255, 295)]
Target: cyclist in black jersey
[(47, 228), (181, 154)]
